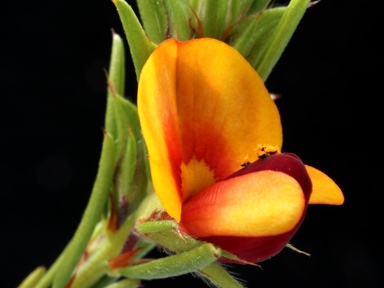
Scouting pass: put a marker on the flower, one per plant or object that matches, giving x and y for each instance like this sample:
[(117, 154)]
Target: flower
[(203, 112)]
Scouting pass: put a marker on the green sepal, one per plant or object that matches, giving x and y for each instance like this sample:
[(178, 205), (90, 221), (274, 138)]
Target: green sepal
[(166, 235), (281, 36), (175, 265), (33, 278), (139, 44), (91, 216), (154, 17), (151, 227)]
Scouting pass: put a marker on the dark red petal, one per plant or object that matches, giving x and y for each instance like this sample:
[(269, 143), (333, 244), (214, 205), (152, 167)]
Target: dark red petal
[(252, 249), (257, 249)]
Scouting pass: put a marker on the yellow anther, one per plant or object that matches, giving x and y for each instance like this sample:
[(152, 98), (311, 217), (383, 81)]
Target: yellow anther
[(263, 151)]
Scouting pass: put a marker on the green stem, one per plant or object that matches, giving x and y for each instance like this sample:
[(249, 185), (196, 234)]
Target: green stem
[(91, 216), (284, 31)]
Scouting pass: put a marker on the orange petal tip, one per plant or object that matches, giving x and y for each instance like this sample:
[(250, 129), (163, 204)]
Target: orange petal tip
[(325, 190)]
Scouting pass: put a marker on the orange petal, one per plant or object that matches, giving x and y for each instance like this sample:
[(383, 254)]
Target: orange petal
[(158, 118), (262, 203), (201, 101), (325, 190)]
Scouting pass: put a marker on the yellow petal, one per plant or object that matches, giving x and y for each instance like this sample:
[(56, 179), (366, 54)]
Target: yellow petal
[(325, 190)]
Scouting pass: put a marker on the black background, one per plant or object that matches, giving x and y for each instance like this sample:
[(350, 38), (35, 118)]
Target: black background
[(52, 106)]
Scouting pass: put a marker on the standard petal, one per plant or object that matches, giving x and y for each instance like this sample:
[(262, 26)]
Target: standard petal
[(261, 200), (325, 190), (203, 110)]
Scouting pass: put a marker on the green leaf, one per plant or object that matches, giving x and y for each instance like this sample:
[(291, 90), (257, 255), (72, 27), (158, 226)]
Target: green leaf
[(219, 276), (154, 17), (251, 37), (96, 266), (91, 216), (167, 235), (141, 180), (131, 175), (128, 116), (144, 249), (122, 117), (33, 278), (139, 44), (116, 72), (257, 6), (175, 265), (104, 282), (116, 77), (235, 11), (212, 14), (48, 277), (180, 15), (283, 33), (127, 169)]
